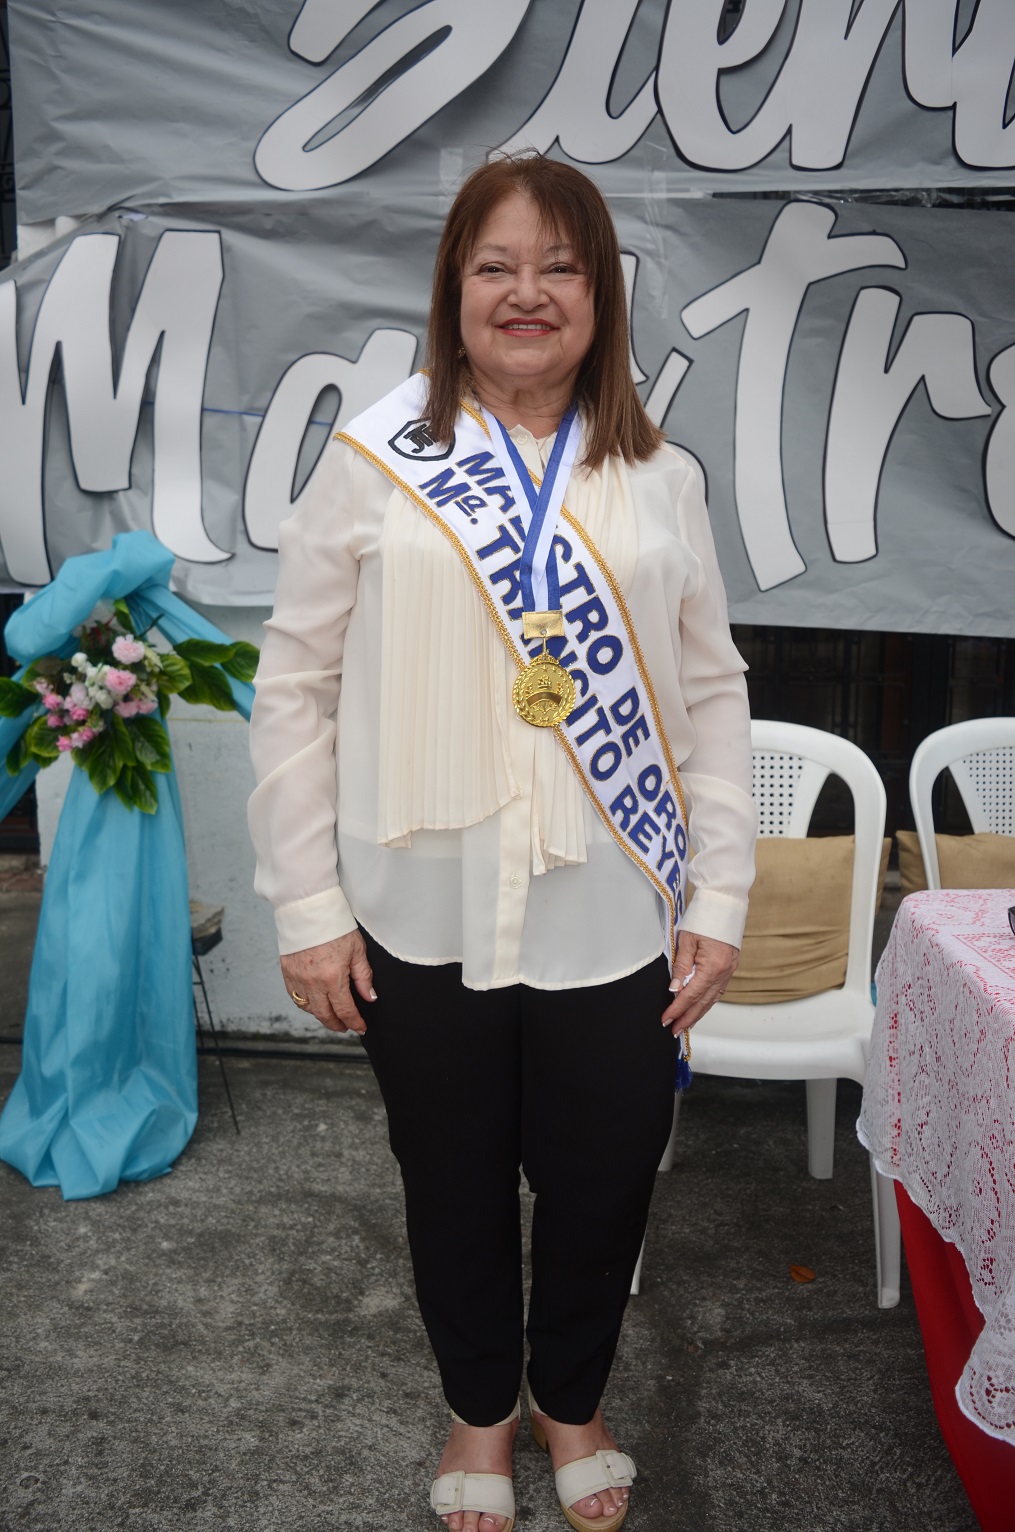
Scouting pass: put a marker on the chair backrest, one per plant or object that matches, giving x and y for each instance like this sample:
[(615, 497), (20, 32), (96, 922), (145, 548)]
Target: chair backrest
[(980, 755), (791, 764)]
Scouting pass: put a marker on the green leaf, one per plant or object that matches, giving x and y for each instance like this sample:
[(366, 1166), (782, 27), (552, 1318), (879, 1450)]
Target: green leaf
[(102, 762), (135, 789), (208, 686), (15, 698), (49, 665), (40, 740), (151, 744), (175, 674), (164, 702), (204, 652), (122, 611), (242, 666), (18, 756), (122, 741)]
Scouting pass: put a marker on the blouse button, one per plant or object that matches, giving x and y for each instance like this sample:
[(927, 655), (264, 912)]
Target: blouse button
[(515, 880)]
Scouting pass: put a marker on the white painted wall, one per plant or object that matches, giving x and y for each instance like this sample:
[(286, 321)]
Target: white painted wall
[(213, 766)]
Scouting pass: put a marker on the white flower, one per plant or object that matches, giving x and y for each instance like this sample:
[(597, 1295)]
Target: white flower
[(152, 658), (80, 661)]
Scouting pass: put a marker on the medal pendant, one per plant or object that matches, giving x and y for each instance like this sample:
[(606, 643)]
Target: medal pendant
[(543, 693)]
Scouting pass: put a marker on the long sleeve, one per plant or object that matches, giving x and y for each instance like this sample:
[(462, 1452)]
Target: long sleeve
[(716, 772), (293, 727)]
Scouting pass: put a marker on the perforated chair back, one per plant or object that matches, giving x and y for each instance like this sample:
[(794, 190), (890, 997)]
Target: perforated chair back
[(980, 754), (791, 765)]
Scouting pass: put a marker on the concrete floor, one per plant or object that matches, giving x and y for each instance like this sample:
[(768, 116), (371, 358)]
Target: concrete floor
[(236, 1344)]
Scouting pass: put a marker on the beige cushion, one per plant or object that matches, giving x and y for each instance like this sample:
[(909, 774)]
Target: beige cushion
[(964, 861), (797, 937)]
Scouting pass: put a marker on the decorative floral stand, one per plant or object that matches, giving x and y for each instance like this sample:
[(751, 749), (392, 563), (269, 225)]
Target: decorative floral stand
[(108, 1086)]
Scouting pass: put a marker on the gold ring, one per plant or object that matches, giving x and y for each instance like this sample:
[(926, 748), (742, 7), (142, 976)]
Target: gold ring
[(300, 999)]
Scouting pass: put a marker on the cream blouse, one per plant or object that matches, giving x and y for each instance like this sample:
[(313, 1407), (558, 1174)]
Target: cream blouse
[(398, 788)]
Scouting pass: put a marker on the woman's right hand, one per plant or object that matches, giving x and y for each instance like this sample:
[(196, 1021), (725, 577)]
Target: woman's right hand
[(324, 976)]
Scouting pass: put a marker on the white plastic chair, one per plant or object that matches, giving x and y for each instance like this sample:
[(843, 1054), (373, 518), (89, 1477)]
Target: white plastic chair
[(827, 1035), (980, 755)]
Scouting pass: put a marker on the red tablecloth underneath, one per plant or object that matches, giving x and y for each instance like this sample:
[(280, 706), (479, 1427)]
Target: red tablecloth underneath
[(950, 1323)]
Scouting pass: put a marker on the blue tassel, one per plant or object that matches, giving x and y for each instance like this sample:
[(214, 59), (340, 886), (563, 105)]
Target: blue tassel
[(684, 1075)]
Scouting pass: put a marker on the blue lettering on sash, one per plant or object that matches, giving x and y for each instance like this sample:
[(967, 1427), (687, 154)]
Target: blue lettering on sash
[(603, 654), (602, 725), (512, 574), (579, 677), (579, 712), (605, 761), (625, 805), (581, 580), (666, 855), (626, 707), (680, 841), (665, 808), (440, 490), (503, 541), (483, 469), (591, 617), (633, 736), (642, 831), (650, 780)]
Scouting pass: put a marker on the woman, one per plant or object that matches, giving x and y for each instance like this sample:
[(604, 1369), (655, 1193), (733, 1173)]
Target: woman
[(488, 895)]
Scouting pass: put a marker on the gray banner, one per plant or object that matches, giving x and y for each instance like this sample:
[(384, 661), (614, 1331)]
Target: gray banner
[(841, 372)]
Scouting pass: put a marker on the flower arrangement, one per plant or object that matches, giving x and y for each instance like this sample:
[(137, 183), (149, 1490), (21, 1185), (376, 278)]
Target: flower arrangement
[(101, 704)]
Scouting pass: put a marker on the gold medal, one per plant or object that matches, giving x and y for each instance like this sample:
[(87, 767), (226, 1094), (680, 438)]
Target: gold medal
[(543, 693)]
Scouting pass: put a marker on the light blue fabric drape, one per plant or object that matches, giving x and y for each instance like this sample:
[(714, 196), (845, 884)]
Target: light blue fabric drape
[(108, 1085)]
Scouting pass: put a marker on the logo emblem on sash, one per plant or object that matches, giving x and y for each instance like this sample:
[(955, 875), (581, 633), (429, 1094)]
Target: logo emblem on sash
[(415, 441)]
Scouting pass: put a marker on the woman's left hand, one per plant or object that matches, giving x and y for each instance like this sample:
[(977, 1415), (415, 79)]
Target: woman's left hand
[(714, 964)]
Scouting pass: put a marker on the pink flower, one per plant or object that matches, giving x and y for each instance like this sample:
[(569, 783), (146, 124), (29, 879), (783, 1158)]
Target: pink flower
[(127, 650), (64, 742), (52, 700), (128, 709), (78, 694), (78, 714), (147, 705), (54, 721), (41, 685), (119, 682), (79, 738)]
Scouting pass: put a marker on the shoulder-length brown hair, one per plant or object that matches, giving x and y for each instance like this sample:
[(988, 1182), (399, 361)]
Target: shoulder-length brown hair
[(572, 206)]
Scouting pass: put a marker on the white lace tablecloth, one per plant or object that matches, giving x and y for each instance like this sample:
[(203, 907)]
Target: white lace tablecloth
[(939, 1107)]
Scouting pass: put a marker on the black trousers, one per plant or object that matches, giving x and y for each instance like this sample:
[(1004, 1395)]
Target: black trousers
[(576, 1086)]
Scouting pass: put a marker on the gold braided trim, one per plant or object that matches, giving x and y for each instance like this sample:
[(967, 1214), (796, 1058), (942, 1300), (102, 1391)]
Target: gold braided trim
[(467, 409)]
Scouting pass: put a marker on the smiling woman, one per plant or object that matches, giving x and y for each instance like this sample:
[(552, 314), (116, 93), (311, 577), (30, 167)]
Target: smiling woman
[(500, 626), (529, 250), (527, 316)]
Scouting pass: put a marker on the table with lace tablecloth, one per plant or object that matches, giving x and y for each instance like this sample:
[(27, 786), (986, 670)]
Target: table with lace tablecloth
[(938, 1110)]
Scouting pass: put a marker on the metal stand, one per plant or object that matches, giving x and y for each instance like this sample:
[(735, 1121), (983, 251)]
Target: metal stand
[(205, 934)]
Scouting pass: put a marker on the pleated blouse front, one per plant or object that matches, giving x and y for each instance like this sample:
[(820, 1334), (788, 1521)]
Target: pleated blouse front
[(398, 788)]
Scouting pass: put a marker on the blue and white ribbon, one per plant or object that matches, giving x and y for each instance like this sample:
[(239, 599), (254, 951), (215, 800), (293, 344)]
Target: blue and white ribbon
[(539, 577)]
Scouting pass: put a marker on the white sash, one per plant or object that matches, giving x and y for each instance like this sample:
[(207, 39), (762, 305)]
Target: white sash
[(614, 737)]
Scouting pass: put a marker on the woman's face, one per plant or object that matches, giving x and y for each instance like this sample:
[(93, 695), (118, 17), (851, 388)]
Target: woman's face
[(527, 315)]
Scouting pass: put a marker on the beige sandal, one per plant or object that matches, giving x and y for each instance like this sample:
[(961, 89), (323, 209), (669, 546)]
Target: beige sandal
[(491, 1494), (606, 1469)]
